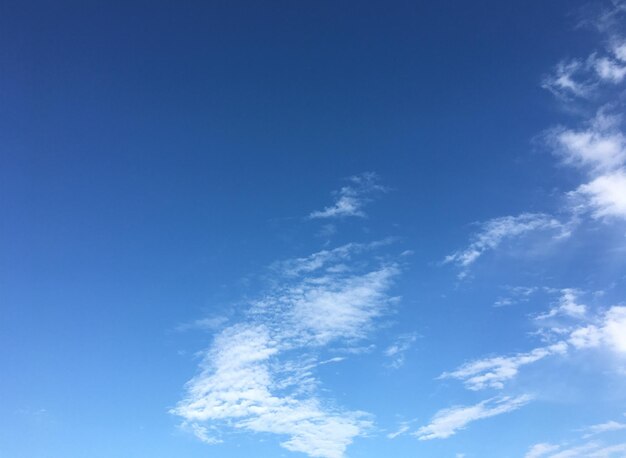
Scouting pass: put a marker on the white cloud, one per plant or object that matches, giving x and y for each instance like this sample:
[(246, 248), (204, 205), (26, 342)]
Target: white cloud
[(201, 433), (619, 50), (204, 324), (516, 294), (588, 450), (578, 78), (601, 147), (614, 328), (610, 19), (609, 330), (236, 385), (567, 306), (569, 79), (352, 198), (605, 195), (586, 337), (448, 422), (403, 429), (321, 309), (610, 70), (259, 375), (541, 450), (592, 449), (600, 151), (603, 428), (396, 352), (497, 230), (568, 325), (493, 372)]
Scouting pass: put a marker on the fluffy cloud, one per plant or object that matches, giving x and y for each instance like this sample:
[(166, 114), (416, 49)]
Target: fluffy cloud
[(567, 306), (259, 375), (605, 195), (601, 147), (448, 422), (609, 330), (599, 150), (609, 70)]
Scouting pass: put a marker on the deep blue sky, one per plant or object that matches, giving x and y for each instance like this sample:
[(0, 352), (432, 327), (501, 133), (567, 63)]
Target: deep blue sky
[(158, 159)]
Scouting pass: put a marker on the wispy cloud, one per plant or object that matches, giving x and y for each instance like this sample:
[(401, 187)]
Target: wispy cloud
[(515, 295), (602, 329), (200, 432), (448, 422), (604, 428), (493, 372), (351, 199), (569, 79), (582, 78), (587, 450), (259, 375), (541, 450), (400, 431), (203, 324), (609, 19), (494, 232), (396, 352)]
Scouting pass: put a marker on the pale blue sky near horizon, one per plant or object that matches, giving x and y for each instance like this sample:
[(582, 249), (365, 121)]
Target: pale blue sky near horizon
[(329, 229)]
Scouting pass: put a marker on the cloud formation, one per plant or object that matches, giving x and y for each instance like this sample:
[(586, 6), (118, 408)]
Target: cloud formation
[(494, 232), (396, 352), (588, 450), (603, 329), (259, 375), (599, 150), (583, 78), (493, 372), (607, 330), (567, 305), (603, 428), (449, 421), (539, 450), (352, 198)]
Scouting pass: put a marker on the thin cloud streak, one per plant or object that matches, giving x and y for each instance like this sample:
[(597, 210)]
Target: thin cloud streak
[(494, 232), (352, 198), (493, 372), (449, 421)]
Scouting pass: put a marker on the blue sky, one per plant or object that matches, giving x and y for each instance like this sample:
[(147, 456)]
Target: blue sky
[(333, 229)]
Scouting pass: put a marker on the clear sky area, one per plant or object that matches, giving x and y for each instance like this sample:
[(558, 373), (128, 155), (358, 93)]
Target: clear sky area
[(329, 229)]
